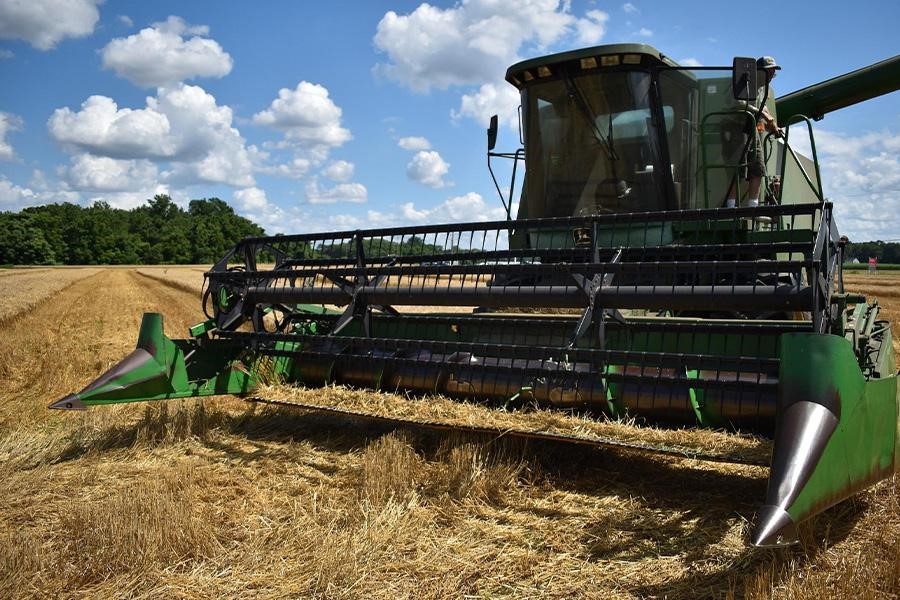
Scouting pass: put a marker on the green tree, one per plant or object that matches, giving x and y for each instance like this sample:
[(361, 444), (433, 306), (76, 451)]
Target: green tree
[(155, 233)]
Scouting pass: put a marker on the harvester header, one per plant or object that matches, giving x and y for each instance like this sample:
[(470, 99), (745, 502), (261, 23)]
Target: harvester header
[(625, 287)]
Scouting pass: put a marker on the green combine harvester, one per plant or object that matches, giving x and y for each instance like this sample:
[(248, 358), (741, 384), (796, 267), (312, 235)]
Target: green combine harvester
[(667, 306)]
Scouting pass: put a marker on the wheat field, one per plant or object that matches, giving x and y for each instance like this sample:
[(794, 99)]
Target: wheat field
[(221, 499)]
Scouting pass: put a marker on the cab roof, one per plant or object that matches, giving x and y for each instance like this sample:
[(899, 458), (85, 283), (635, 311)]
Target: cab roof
[(638, 54)]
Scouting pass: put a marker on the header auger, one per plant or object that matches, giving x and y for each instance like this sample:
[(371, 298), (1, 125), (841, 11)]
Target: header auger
[(678, 311)]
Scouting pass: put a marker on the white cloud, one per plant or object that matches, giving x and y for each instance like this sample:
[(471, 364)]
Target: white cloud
[(182, 126), (861, 175), (491, 99), (629, 8), (125, 20), (428, 168), (251, 199), (592, 28), (414, 143), (39, 180), (101, 128), (208, 147), (465, 208), (102, 174), (253, 204), (344, 222), (295, 168), (690, 62), (160, 55), (339, 170), (44, 23), (644, 32), (8, 122), (14, 197), (470, 43), (342, 192), (6, 54), (308, 118)]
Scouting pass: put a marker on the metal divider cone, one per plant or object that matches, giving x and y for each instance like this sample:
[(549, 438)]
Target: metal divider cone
[(835, 434), (161, 368)]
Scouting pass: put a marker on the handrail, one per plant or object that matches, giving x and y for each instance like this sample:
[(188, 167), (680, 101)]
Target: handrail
[(816, 188)]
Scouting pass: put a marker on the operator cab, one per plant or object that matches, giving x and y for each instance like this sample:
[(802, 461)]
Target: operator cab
[(600, 136)]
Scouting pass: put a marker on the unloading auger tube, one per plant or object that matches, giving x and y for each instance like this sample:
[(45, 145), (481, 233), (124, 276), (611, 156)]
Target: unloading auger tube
[(676, 314)]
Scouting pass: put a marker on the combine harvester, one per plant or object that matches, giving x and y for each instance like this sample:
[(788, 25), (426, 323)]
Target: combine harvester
[(680, 310)]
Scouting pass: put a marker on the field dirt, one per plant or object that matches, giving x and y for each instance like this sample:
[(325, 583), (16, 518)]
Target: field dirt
[(213, 499)]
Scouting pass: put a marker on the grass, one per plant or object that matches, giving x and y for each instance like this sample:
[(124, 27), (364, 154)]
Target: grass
[(862, 266), (215, 499)]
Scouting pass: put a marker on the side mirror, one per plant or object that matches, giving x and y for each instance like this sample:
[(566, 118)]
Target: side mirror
[(492, 132), (743, 78)]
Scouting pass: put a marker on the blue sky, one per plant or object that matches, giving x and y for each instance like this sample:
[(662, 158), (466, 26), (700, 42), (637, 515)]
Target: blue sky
[(315, 116)]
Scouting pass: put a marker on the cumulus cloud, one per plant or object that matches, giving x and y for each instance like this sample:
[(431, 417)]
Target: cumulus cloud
[(428, 168), (44, 23), (470, 43), (861, 175), (342, 192), (644, 32), (14, 197), (251, 199), (125, 20), (414, 143), (101, 128), (490, 99), (343, 222), (253, 203), (465, 208), (182, 126), (8, 122), (295, 168), (629, 8), (592, 28), (308, 119), (339, 170), (103, 174), (160, 55)]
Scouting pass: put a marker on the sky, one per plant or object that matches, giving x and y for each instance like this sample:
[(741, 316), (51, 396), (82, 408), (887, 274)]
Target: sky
[(316, 116)]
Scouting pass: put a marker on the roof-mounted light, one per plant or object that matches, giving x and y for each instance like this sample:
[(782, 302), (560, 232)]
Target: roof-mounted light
[(589, 63), (528, 76), (632, 59), (609, 61), (544, 72)]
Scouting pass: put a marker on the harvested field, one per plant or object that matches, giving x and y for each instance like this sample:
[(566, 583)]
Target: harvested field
[(220, 499), (22, 289), (189, 279)]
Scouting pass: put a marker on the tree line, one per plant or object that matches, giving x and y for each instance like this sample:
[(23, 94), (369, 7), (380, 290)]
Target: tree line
[(885, 252), (158, 232)]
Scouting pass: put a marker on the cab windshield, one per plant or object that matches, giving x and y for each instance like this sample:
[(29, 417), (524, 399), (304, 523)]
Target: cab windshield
[(593, 146)]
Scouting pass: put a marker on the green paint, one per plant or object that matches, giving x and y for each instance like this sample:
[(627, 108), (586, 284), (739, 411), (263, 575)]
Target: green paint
[(158, 370), (863, 447)]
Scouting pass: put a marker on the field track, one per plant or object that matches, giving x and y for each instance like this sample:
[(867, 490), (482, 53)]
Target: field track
[(218, 499)]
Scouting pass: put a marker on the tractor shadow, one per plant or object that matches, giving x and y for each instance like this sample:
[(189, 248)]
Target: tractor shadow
[(677, 507), (670, 507)]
